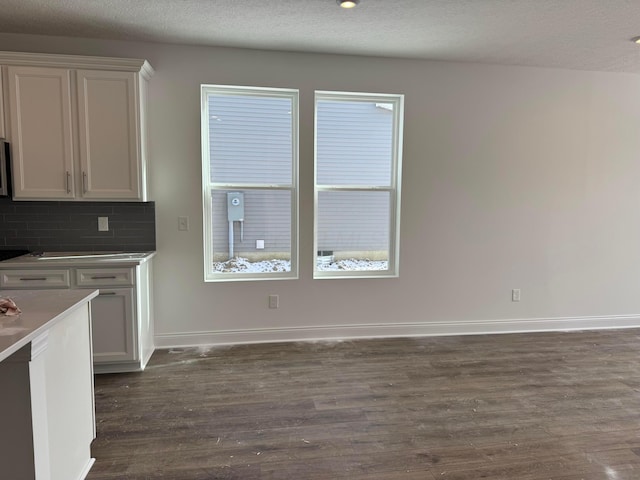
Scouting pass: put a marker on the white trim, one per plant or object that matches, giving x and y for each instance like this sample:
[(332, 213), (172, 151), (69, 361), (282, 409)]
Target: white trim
[(124, 367), (340, 96), (396, 101), (128, 367), (39, 344), (341, 332), (208, 187), (85, 470), (77, 62)]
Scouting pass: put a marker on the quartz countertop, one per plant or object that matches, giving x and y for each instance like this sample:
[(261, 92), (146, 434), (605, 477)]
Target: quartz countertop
[(78, 259), (41, 309)]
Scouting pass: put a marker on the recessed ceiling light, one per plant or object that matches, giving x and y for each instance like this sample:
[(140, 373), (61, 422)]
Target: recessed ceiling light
[(636, 40), (348, 3)]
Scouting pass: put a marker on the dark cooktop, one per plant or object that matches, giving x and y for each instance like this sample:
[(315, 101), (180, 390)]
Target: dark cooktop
[(7, 254)]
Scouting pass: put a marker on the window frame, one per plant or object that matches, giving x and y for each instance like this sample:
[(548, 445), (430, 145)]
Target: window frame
[(394, 188), (208, 187)]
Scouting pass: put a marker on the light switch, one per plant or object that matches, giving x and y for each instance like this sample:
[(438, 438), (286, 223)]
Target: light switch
[(183, 224), (103, 224)]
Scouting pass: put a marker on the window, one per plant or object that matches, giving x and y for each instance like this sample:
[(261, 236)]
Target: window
[(357, 184), (250, 177)]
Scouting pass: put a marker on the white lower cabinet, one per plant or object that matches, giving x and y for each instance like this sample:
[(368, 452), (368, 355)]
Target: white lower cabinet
[(122, 328), (112, 318)]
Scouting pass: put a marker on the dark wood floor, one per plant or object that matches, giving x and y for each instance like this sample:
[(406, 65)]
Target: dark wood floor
[(561, 406)]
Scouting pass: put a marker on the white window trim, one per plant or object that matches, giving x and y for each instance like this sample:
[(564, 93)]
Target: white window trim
[(208, 187), (397, 102)]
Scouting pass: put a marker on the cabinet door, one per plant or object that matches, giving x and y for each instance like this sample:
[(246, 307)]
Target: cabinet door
[(3, 130), (41, 132), (109, 131), (113, 326)]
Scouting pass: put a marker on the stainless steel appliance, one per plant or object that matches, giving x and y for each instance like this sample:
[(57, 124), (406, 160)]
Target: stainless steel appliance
[(4, 168)]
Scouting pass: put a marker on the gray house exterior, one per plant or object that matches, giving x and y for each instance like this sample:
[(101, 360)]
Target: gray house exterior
[(250, 141)]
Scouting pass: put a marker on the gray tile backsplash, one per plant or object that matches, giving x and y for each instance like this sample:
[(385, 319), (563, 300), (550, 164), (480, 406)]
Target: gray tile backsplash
[(73, 226)]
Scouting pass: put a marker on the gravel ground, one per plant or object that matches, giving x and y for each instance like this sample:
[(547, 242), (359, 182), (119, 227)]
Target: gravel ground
[(242, 265)]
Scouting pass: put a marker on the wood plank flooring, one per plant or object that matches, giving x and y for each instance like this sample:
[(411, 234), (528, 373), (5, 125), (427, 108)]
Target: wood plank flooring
[(561, 406)]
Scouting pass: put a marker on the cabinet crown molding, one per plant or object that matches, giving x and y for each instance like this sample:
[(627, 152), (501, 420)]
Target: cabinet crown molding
[(77, 62)]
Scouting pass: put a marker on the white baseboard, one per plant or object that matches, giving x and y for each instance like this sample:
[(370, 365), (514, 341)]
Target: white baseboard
[(342, 332), (126, 367), (86, 469)]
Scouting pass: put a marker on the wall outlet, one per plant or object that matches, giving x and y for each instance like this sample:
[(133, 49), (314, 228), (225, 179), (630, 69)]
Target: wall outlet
[(103, 224), (259, 244), (183, 224), (274, 301), (515, 295)]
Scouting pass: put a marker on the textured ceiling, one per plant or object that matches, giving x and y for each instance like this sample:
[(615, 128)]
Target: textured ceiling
[(576, 34)]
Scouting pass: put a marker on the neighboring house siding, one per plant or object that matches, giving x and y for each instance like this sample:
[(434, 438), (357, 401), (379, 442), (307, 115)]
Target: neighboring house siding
[(353, 221), (354, 142), (359, 133), (266, 217), (252, 148)]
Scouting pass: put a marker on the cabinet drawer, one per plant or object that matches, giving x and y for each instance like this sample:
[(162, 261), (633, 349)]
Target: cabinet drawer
[(97, 277), (34, 279)]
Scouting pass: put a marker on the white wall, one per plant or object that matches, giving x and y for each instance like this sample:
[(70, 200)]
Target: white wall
[(513, 178)]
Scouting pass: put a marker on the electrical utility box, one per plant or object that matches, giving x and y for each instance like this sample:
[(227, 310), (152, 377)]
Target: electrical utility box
[(235, 206)]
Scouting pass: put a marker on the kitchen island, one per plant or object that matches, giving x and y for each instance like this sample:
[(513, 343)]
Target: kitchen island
[(47, 419)]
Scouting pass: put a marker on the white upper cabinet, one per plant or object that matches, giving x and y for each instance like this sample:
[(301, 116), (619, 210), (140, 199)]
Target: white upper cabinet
[(76, 126), (109, 134), (41, 132), (3, 132)]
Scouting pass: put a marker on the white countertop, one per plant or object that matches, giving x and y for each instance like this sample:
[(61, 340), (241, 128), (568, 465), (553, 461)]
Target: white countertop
[(78, 259), (41, 309)]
